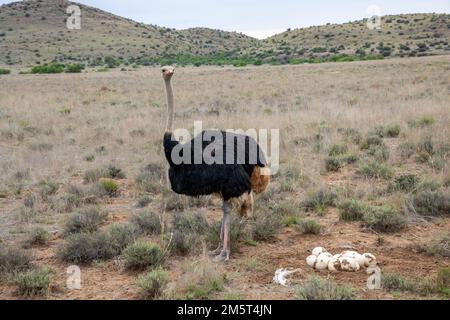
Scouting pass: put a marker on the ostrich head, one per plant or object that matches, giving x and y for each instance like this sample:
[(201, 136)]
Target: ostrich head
[(167, 72)]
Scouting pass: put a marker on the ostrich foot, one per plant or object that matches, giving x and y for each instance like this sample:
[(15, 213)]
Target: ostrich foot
[(222, 257)]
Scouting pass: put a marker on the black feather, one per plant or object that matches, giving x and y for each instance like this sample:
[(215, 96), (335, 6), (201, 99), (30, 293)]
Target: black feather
[(230, 180)]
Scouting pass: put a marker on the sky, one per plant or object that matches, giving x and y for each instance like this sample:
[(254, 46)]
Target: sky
[(258, 18)]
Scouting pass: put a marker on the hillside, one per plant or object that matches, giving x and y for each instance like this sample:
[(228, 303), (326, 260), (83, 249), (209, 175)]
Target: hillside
[(400, 35), (35, 31)]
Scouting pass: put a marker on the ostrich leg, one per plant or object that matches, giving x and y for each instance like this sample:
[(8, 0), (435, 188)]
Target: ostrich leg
[(219, 248), (224, 254)]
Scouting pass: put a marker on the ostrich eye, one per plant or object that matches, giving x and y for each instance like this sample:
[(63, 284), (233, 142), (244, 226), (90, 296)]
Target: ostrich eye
[(164, 70)]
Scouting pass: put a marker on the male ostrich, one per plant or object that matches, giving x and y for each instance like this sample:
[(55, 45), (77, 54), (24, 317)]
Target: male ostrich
[(229, 180)]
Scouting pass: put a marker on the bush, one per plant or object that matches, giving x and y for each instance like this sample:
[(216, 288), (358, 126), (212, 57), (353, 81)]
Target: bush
[(443, 279), (4, 71), (265, 226), (144, 201), (87, 220), (84, 248), (147, 222), (48, 68), (380, 153), (353, 210), (152, 284), (14, 260), (404, 183), (110, 172), (317, 289), (37, 237), (120, 236), (430, 203), (384, 219), (141, 255), (34, 283), (407, 149), (334, 163), (74, 68), (371, 141), (308, 226), (337, 149), (374, 169), (319, 200), (109, 186), (392, 131), (150, 179), (439, 246), (396, 282)]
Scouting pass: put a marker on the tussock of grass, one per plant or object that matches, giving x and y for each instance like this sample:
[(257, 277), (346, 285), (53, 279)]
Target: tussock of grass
[(34, 282), (384, 219), (319, 200), (439, 246), (265, 226), (108, 187), (317, 289), (334, 163), (150, 179), (86, 220), (152, 284), (37, 237), (147, 222), (353, 210), (14, 260), (404, 183), (110, 172), (308, 226), (142, 255), (396, 282), (374, 169), (429, 203), (371, 141)]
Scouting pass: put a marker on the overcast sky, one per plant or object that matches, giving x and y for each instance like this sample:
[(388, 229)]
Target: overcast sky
[(257, 18)]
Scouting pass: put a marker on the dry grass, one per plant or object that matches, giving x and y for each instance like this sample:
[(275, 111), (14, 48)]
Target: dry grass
[(316, 107)]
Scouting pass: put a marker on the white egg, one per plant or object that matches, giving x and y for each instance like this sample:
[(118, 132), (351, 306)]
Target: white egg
[(369, 259), (334, 264), (361, 260), (322, 261), (311, 260), (337, 256), (348, 264), (349, 254), (317, 251)]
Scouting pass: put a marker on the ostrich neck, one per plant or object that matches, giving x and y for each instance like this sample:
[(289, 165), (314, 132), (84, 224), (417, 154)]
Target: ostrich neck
[(170, 102)]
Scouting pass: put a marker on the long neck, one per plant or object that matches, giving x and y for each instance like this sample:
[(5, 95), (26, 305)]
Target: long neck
[(169, 91)]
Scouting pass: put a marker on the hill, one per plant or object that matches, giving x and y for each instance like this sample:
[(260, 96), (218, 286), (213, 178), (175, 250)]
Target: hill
[(35, 32)]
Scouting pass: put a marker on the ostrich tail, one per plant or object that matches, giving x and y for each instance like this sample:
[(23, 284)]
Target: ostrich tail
[(260, 179)]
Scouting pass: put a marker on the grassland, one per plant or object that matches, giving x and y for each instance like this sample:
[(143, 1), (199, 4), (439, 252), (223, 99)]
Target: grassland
[(364, 153)]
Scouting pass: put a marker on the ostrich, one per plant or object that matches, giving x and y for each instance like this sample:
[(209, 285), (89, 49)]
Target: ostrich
[(230, 180)]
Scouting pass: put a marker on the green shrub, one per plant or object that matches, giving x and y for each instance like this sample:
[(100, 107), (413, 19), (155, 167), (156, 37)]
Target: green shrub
[(205, 289), (380, 153), (84, 248), (265, 226), (334, 163), (407, 149), (308, 226), (430, 203), (439, 246), (425, 121), (315, 288), (144, 201), (120, 236), (443, 279), (371, 141), (319, 200), (393, 131), (37, 237), (4, 71), (109, 186), (353, 210), (374, 169), (14, 260), (142, 255), (48, 68), (110, 172), (86, 220), (152, 284), (150, 179), (396, 282), (337, 149), (34, 282), (74, 68), (384, 219), (147, 222), (404, 183)]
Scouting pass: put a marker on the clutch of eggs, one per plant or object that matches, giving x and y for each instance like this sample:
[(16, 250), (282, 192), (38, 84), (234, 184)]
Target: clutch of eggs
[(345, 261)]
